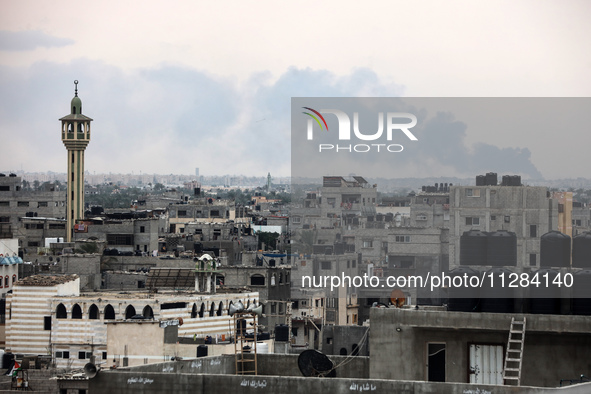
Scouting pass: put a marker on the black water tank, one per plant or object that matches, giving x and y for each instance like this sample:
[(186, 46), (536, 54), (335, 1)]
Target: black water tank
[(480, 180), (497, 299), (506, 180), (582, 293), (473, 245), (282, 333), (555, 250), (7, 359), (202, 351), (544, 300), (582, 250), (491, 178), (501, 249), (463, 299)]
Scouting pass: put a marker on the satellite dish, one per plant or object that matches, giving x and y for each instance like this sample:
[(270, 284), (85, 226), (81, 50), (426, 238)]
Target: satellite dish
[(90, 370), (205, 257), (397, 298), (312, 363)]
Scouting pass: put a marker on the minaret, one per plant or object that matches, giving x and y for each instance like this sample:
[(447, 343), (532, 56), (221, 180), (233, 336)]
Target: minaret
[(75, 136)]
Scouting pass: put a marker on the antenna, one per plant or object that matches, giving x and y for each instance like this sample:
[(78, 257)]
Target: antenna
[(312, 363)]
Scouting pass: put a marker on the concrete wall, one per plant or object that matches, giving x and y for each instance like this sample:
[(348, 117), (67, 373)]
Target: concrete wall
[(115, 382)]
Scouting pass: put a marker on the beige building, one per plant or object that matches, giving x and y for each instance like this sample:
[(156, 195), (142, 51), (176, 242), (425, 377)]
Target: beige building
[(47, 315)]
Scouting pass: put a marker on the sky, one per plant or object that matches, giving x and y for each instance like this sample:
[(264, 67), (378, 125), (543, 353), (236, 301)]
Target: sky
[(174, 86)]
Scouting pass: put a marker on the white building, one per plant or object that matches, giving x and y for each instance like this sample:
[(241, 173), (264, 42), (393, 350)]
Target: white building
[(47, 315)]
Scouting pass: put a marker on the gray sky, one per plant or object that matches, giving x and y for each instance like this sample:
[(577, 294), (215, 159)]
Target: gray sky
[(208, 84)]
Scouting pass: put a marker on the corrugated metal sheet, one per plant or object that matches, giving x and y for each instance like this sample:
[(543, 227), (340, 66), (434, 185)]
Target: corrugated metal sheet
[(486, 364)]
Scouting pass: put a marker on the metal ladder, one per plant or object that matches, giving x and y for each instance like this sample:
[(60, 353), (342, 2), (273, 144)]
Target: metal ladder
[(514, 353)]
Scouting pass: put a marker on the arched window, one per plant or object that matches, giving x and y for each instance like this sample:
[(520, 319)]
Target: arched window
[(202, 310), (1, 282), (129, 312), (13, 279), (148, 312), (257, 280), (343, 351), (109, 313), (194, 311), (6, 281), (76, 312), (60, 312), (212, 309), (93, 312), (281, 278), (220, 309)]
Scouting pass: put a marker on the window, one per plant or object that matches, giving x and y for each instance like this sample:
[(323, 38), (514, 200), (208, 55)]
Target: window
[(4, 188), (471, 221), (42, 204), (22, 204), (493, 217), (120, 239), (148, 313), (47, 323), (13, 279), (507, 219), (577, 222), (533, 230), (4, 203), (472, 192), (93, 312), (532, 260), (402, 238), (129, 312), (109, 313), (296, 220), (76, 312), (81, 355), (367, 243), (104, 355), (60, 312), (66, 355), (325, 265), (173, 305), (257, 280), (142, 229)]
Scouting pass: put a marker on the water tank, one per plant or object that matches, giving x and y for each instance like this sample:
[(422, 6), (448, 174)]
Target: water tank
[(202, 351), (582, 250), (582, 293), (262, 347), (7, 359), (555, 250), (282, 333), (473, 245), (501, 249), (480, 180), (497, 299), (491, 178), (463, 299), (506, 180), (544, 300)]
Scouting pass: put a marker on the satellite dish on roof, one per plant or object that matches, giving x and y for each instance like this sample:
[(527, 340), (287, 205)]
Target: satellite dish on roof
[(312, 363), (206, 257)]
